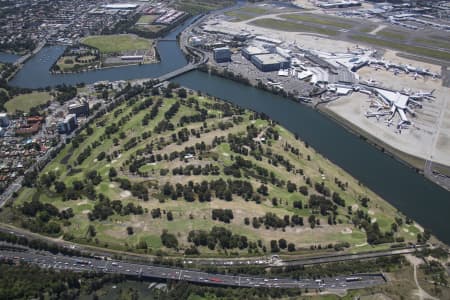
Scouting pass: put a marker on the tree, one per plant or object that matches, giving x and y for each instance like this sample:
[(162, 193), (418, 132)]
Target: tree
[(91, 231), (291, 247), (130, 230), (169, 240), (182, 93), (60, 187), (169, 216), (274, 246), (282, 243), (303, 190), (312, 221), (112, 172)]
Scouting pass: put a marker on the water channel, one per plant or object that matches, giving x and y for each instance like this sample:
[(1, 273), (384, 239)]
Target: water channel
[(8, 57), (408, 191)]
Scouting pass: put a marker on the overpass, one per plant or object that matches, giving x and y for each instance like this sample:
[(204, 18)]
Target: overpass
[(187, 68), (200, 57)]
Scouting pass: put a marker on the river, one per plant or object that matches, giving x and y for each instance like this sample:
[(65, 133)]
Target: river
[(411, 193), (8, 57)]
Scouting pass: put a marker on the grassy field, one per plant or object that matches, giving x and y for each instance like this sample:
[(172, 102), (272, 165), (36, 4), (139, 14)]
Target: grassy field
[(392, 34), (320, 20), (291, 26), (434, 42), (108, 44), (201, 6), (68, 63), (196, 215), (247, 13), (402, 47), (146, 19), (25, 101), (238, 17)]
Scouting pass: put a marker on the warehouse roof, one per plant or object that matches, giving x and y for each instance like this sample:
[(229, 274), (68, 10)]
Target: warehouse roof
[(271, 58)]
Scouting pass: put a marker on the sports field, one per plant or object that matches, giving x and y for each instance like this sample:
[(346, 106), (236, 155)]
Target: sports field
[(117, 43), (26, 101)]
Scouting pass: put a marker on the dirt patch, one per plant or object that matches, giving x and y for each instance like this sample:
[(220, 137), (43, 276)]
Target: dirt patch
[(125, 194), (347, 231)]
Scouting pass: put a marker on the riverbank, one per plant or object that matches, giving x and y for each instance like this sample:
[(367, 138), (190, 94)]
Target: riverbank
[(411, 161), (414, 162)]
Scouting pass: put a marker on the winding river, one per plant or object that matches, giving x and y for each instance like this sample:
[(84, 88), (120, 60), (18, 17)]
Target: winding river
[(408, 191)]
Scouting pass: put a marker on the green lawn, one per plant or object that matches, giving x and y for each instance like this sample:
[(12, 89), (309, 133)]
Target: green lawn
[(291, 26), (146, 19), (117, 43), (25, 101), (319, 19), (402, 47)]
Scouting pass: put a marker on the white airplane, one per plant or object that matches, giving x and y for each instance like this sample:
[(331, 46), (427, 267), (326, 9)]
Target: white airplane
[(422, 95), (370, 81)]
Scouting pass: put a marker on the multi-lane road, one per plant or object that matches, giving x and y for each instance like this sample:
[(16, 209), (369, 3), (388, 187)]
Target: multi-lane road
[(141, 270)]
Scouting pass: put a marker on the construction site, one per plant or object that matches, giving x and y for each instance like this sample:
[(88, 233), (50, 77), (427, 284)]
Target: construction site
[(401, 104)]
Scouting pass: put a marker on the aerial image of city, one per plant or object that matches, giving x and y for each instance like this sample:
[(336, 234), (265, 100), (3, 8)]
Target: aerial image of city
[(225, 149)]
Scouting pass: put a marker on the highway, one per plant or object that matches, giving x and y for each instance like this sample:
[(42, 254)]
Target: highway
[(147, 271)]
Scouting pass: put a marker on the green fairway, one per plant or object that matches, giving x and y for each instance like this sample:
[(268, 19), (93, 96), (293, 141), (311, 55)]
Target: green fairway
[(291, 26), (26, 101), (402, 47), (320, 19), (117, 43)]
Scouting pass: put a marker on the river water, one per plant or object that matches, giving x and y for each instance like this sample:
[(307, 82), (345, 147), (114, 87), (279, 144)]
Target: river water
[(408, 191), (8, 57)]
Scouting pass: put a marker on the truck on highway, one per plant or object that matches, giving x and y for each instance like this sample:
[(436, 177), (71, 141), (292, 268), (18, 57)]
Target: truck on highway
[(351, 279)]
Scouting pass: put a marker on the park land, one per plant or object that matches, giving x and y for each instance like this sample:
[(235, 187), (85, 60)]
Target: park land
[(182, 170)]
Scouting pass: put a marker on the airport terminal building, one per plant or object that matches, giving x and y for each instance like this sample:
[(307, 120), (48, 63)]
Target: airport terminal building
[(270, 62)]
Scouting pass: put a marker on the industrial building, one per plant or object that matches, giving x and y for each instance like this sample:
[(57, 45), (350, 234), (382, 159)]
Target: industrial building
[(270, 62), (120, 6), (249, 51), (79, 109), (4, 120), (68, 124), (222, 54)]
